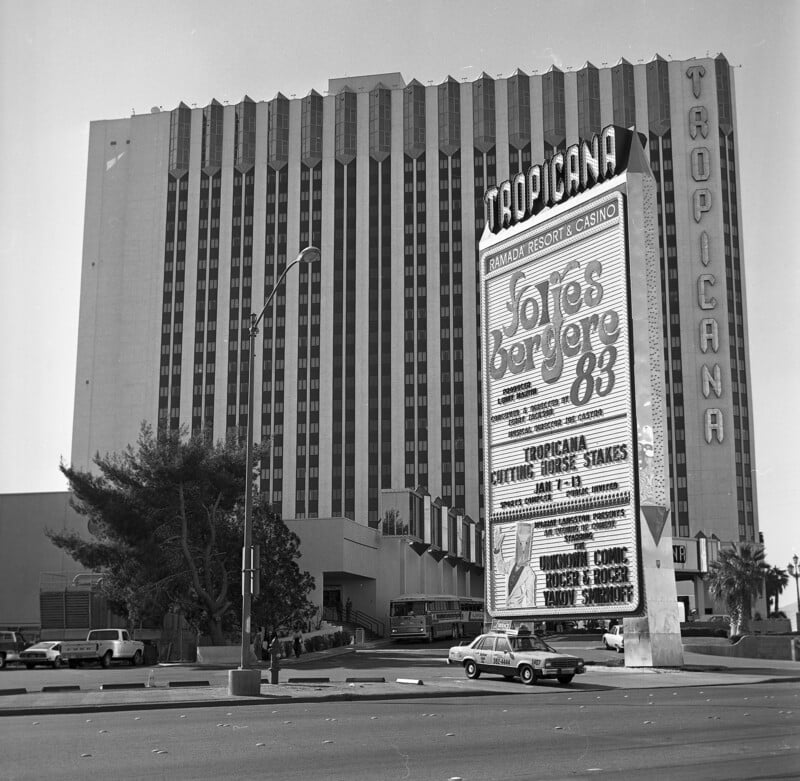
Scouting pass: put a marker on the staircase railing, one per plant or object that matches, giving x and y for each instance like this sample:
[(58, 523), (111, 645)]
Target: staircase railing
[(355, 618)]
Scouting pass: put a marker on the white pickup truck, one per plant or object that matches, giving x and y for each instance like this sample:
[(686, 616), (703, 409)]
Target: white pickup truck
[(103, 646)]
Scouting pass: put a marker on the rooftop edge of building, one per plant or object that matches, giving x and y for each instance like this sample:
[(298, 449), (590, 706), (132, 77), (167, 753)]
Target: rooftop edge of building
[(366, 83)]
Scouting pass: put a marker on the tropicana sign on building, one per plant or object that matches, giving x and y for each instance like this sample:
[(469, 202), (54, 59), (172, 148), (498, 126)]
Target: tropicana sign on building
[(555, 180)]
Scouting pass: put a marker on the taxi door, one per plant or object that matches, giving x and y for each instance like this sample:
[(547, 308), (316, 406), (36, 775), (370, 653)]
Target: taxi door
[(502, 658), (484, 653)]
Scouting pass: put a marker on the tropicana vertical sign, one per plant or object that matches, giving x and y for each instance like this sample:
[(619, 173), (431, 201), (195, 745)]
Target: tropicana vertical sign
[(555, 180)]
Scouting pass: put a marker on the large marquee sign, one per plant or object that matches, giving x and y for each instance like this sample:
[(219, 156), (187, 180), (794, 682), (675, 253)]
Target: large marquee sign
[(562, 454)]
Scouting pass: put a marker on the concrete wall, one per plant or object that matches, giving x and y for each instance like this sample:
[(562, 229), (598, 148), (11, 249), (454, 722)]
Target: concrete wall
[(26, 553), (347, 551), (119, 329), (753, 647)]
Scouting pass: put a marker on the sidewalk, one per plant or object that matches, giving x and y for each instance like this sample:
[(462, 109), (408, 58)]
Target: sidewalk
[(301, 684)]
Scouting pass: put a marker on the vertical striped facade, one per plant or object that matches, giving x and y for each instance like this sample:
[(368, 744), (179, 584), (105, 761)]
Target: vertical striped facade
[(368, 363)]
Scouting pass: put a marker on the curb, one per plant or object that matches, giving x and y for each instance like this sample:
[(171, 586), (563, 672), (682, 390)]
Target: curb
[(264, 699), (308, 680), (62, 688), (794, 679)]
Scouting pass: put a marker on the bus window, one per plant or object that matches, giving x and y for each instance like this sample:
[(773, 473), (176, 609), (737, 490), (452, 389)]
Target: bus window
[(403, 609)]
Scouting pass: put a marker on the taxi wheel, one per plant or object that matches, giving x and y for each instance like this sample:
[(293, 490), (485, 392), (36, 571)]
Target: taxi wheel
[(527, 675), (565, 678), (471, 669), (57, 663)]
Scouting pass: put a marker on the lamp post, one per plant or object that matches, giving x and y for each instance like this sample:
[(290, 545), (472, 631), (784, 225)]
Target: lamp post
[(246, 681), (794, 571)]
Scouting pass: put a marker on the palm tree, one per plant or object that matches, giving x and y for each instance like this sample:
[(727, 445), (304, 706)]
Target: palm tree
[(735, 578), (775, 581)]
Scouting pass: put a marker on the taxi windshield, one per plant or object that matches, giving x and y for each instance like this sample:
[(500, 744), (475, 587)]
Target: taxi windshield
[(528, 643)]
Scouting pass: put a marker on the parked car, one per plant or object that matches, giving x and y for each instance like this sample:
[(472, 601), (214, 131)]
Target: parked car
[(103, 646), (614, 639), (515, 654), (11, 645), (48, 653)]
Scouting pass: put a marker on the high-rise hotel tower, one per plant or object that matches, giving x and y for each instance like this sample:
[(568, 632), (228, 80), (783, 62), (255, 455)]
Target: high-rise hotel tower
[(368, 363)]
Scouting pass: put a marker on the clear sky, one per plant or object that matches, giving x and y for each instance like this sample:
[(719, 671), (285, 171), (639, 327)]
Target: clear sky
[(64, 63)]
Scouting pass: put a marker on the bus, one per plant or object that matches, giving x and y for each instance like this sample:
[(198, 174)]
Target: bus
[(431, 616), (472, 616)]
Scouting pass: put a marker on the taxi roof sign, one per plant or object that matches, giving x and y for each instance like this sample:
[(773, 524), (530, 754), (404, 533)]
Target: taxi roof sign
[(507, 628)]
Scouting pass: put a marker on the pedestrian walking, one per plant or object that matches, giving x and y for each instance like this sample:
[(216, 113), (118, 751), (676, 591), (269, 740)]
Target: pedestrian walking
[(263, 651), (297, 642), (273, 646), (258, 641)]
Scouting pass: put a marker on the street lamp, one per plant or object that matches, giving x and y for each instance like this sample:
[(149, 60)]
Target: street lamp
[(794, 571), (245, 681)]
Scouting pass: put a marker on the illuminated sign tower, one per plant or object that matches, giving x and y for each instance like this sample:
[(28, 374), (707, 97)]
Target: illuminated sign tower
[(575, 463)]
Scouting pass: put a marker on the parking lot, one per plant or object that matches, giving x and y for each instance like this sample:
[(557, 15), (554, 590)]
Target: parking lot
[(382, 659)]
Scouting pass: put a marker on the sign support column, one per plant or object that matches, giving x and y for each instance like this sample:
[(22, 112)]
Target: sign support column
[(653, 640)]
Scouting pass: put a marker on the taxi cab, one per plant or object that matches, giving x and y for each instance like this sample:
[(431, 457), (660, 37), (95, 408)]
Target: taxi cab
[(515, 653)]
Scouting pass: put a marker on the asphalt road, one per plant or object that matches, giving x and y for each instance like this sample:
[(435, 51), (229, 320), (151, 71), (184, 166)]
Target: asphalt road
[(720, 732)]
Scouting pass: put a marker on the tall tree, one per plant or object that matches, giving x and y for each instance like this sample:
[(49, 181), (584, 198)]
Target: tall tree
[(284, 588), (775, 581), (166, 520), (735, 578)]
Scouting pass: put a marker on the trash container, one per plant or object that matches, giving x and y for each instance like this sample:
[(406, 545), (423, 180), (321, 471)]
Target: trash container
[(359, 637)]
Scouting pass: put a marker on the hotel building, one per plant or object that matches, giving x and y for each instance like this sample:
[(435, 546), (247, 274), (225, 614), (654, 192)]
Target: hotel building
[(368, 363)]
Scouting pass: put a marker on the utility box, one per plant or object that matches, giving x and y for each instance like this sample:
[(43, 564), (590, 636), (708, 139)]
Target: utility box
[(359, 637)]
